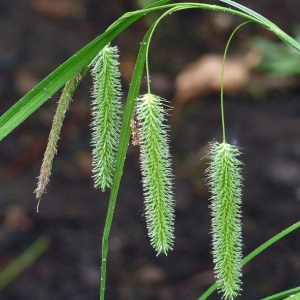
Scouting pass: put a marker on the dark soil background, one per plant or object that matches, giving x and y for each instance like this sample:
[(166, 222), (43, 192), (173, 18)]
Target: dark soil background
[(37, 36)]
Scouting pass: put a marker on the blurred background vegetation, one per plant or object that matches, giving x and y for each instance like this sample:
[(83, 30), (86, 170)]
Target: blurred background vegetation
[(262, 107)]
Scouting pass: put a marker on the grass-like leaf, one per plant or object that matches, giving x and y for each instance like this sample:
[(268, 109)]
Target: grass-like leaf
[(293, 294), (23, 261), (121, 154), (47, 87), (265, 23)]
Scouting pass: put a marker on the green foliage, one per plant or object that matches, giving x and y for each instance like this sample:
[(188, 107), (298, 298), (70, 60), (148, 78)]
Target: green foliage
[(110, 141), (156, 171), (225, 181), (293, 293), (294, 297), (106, 112), (24, 260), (256, 252), (121, 154), (144, 3), (277, 58)]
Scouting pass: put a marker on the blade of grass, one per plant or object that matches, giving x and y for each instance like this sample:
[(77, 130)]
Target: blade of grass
[(248, 11), (121, 155), (47, 87), (23, 261), (257, 251), (284, 294), (248, 14), (266, 23)]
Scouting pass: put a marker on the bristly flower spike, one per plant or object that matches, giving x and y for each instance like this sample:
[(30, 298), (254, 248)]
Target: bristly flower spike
[(57, 123), (156, 171), (106, 115), (225, 182)]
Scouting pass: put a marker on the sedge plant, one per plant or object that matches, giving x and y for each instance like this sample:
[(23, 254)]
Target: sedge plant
[(145, 117)]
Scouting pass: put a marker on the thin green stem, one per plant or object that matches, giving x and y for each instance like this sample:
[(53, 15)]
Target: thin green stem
[(178, 7), (147, 65), (222, 78), (153, 27), (121, 155), (255, 252)]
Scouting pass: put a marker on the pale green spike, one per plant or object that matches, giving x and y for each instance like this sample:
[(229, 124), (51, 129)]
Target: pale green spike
[(225, 182), (106, 115), (156, 172)]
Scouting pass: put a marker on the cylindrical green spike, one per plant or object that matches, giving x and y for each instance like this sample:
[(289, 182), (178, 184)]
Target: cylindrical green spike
[(156, 171), (106, 113), (225, 182)]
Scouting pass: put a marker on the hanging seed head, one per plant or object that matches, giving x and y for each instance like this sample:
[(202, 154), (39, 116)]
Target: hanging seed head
[(57, 123), (156, 171), (106, 115), (225, 182)]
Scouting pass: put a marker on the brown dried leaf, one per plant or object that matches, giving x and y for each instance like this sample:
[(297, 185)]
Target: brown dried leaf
[(204, 76)]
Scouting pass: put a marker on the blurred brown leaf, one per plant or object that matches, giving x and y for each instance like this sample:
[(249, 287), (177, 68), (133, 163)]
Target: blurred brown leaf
[(17, 218), (59, 8), (203, 76)]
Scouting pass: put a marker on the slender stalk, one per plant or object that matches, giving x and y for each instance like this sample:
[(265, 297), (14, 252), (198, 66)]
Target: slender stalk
[(121, 155), (153, 27), (222, 78)]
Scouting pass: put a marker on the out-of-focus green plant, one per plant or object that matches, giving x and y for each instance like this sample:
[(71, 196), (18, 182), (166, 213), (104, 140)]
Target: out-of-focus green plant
[(150, 132), (276, 58)]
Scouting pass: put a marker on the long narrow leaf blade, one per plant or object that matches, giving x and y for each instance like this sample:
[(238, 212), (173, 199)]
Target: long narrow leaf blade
[(121, 155), (266, 23)]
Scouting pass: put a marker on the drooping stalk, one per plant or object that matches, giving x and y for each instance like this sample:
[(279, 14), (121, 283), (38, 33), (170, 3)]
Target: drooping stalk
[(222, 78)]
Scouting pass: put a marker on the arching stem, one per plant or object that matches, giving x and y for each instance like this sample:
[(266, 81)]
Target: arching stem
[(222, 78)]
